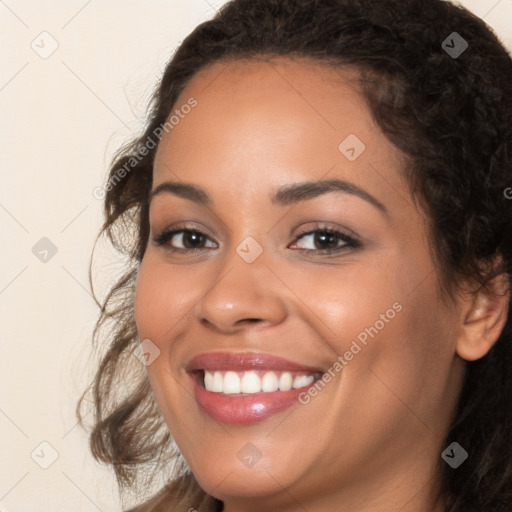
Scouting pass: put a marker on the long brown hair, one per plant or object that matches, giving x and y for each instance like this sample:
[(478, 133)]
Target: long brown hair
[(451, 116)]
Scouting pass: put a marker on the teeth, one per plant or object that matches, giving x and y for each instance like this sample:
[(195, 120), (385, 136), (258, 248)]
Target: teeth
[(218, 382), (251, 382), (269, 382), (214, 381), (208, 380), (231, 383), (302, 381), (285, 381)]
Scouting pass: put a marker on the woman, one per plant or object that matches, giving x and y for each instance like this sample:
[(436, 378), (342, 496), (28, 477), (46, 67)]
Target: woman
[(320, 242)]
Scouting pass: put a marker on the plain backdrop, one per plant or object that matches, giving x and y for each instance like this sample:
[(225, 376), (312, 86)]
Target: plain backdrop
[(75, 80)]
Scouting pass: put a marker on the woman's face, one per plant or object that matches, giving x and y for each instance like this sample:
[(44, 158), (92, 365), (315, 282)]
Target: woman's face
[(269, 296)]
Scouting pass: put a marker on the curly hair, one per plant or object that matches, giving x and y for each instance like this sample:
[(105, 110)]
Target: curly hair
[(450, 116)]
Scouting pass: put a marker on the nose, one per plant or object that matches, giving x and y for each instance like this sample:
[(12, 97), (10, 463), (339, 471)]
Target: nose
[(241, 294)]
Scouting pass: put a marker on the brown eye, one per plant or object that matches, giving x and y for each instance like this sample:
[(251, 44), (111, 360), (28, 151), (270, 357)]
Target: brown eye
[(182, 240), (326, 240)]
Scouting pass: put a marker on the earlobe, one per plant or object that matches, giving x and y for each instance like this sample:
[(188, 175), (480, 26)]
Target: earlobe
[(483, 317)]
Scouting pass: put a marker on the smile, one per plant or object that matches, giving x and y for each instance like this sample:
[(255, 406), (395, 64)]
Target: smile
[(246, 388), (254, 381)]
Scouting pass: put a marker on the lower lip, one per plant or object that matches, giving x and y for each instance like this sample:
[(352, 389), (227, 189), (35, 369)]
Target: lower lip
[(244, 409)]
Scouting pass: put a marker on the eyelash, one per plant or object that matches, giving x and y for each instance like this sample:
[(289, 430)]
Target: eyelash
[(349, 242)]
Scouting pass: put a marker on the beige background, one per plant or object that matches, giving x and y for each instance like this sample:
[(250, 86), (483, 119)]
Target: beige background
[(63, 115)]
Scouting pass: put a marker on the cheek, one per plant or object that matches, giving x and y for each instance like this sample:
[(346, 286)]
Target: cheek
[(146, 291), (406, 362), (343, 303), (161, 303), (383, 317), (162, 298)]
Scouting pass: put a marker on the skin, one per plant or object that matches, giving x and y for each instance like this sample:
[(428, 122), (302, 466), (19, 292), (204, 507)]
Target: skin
[(371, 439)]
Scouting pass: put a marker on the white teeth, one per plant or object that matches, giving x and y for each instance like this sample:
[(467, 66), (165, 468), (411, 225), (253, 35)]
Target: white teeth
[(231, 383), (285, 381), (208, 380), (269, 382), (250, 382), (218, 382), (302, 381), (214, 382)]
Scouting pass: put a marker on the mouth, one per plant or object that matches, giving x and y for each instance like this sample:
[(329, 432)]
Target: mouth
[(246, 388), (251, 382)]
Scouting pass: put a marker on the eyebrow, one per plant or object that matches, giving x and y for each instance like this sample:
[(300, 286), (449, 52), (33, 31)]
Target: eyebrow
[(285, 195)]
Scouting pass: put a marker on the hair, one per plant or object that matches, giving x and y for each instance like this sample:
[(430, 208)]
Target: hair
[(450, 117)]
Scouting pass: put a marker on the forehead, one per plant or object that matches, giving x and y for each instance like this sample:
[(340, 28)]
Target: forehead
[(272, 121), (302, 86)]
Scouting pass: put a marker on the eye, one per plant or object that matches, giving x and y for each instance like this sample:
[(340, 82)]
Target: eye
[(325, 240), (322, 240), (183, 240)]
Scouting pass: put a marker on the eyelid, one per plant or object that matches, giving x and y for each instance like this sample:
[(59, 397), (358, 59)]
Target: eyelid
[(327, 226)]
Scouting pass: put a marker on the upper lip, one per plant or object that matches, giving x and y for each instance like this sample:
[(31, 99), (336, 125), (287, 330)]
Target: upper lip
[(243, 361)]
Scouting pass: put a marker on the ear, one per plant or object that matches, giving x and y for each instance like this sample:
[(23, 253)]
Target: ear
[(483, 316)]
